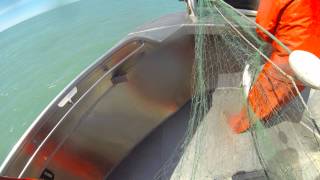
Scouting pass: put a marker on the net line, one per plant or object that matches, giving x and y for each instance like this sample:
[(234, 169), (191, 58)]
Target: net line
[(267, 58), (200, 140)]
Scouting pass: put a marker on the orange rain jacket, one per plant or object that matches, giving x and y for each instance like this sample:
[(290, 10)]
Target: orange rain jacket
[(296, 23)]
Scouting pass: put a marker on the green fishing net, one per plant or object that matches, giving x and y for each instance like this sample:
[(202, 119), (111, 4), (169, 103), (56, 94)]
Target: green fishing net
[(229, 58)]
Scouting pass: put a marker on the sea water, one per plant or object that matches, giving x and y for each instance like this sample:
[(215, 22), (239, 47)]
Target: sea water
[(40, 56)]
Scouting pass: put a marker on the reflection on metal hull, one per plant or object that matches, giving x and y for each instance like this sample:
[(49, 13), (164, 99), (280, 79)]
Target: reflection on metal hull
[(111, 107)]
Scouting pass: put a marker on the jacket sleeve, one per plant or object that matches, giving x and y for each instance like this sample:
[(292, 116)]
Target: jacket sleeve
[(269, 13)]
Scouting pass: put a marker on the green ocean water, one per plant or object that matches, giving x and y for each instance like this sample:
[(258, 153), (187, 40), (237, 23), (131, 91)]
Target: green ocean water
[(40, 56)]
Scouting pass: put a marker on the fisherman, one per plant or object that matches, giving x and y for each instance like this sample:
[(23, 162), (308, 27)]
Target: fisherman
[(296, 23)]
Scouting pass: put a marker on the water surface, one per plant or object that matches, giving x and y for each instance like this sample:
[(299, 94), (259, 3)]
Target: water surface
[(40, 56)]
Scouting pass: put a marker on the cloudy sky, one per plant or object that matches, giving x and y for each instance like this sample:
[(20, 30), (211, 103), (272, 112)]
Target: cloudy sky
[(13, 12)]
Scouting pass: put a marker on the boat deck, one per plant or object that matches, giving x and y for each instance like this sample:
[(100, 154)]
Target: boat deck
[(287, 149)]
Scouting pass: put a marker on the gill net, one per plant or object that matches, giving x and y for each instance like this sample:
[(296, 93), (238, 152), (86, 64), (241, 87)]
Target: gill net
[(236, 71)]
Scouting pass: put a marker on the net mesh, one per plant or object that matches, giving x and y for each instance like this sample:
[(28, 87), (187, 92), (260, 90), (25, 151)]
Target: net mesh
[(237, 74)]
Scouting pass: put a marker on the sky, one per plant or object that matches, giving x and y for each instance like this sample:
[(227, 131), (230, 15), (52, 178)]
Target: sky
[(13, 12)]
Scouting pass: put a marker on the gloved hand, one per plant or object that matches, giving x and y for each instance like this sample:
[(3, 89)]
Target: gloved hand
[(239, 123)]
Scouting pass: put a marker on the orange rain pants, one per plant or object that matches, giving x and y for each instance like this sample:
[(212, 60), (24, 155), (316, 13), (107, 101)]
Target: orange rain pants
[(296, 23)]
